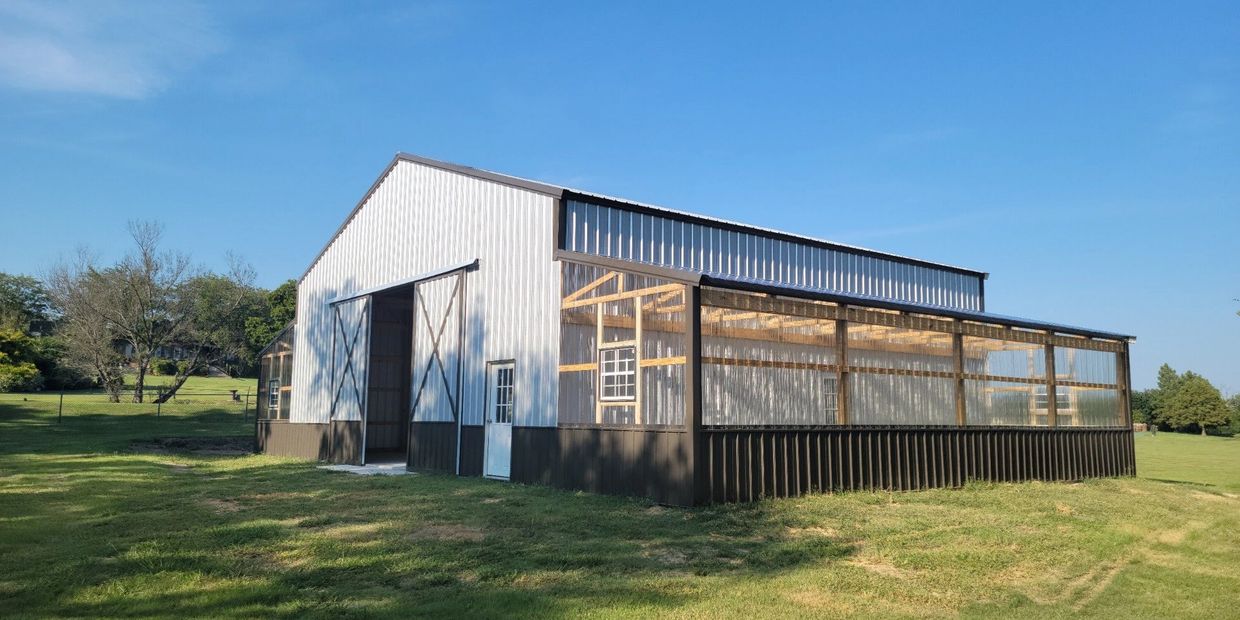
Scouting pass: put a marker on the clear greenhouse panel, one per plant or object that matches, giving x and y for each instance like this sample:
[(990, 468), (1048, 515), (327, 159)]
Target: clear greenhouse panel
[(1003, 403)]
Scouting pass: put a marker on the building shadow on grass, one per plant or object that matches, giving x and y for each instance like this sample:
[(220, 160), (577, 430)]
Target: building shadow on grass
[(246, 536)]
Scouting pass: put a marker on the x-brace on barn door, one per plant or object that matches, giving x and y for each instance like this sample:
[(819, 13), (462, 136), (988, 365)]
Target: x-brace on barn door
[(349, 362), (437, 346)]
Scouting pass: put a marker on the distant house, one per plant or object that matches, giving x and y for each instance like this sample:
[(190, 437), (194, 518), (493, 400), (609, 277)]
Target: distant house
[(175, 352), (481, 324)]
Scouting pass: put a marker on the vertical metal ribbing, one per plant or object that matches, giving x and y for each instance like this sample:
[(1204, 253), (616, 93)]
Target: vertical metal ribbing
[(749, 486), (893, 459), (807, 463), (796, 463), (852, 464), (759, 466), (710, 464), (783, 458), (902, 459), (824, 455)]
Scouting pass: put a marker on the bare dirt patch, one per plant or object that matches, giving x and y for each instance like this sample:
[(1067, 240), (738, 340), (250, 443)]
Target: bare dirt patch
[(879, 566), (449, 532), (217, 446), (177, 468), (222, 506), (812, 531), (666, 556), (817, 599)]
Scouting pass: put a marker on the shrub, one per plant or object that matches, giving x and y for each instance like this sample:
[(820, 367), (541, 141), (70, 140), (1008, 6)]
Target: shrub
[(23, 377), (199, 371), (163, 366)]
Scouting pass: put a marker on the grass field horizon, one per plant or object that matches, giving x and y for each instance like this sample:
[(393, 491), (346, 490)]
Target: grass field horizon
[(99, 520)]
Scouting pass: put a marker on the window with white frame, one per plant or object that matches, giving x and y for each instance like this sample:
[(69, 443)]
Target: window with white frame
[(617, 369), (501, 409), (1062, 400), (830, 397), (273, 396)]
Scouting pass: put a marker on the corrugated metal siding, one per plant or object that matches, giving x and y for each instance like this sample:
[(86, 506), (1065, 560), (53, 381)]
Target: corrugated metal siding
[(437, 349), (420, 219), (351, 359), (656, 240)]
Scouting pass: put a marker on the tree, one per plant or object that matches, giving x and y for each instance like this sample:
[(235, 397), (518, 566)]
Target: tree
[(25, 305), (18, 372), (1196, 403), (280, 307), (1168, 383), (219, 306), (1142, 403), (148, 300), (1233, 403)]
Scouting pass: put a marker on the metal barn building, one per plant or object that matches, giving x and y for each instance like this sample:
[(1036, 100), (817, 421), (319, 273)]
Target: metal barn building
[(484, 325)]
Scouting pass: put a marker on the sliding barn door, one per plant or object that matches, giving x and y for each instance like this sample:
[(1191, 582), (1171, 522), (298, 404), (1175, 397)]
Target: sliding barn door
[(438, 333), (350, 359)]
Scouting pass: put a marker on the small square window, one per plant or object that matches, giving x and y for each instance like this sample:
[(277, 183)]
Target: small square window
[(273, 396), (617, 368)]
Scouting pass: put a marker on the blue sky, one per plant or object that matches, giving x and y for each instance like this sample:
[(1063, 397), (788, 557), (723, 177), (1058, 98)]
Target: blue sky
[(1088, 157)]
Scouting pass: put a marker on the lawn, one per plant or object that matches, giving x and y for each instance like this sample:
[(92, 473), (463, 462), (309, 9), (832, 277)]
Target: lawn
[(93, 524)]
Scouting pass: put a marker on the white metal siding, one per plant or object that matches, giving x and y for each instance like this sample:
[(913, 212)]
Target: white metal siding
[(656, 240), (422, 218), (350, 361)]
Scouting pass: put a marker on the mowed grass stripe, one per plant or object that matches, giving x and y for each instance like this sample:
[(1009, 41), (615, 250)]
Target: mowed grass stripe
[(89, 527)]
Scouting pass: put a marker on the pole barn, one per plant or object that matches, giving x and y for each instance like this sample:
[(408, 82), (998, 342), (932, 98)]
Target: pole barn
[(480, 324)]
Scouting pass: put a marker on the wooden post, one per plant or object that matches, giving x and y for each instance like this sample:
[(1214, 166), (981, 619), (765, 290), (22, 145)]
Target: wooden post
[(958, 351), (598, 362), (637, 358), (60, 412), (1123, 378), (841, 385), (1052, 392), (245, 409), (698, 482)]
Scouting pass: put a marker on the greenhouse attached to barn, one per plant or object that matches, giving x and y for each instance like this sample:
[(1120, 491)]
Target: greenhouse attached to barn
[(485, 325)]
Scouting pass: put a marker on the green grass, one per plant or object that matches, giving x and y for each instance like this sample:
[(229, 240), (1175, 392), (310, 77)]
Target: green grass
[(91, 528), (196, 399)]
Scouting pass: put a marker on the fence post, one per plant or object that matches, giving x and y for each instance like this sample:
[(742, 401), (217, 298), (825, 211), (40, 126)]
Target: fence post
[(60, 411), (245, 413)]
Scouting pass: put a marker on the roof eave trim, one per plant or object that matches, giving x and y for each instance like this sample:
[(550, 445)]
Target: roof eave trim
[(422, 277), (644, 269)]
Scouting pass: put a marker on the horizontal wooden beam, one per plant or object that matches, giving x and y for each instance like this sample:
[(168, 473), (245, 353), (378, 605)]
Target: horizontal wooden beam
[(903, 372), (641, 292), (732, 300), (645, 363)]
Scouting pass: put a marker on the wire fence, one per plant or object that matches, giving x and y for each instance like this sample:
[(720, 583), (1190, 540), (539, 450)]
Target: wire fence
[(223, 406)]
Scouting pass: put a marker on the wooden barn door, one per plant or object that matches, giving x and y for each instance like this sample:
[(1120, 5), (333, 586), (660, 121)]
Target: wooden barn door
[(438, 343)]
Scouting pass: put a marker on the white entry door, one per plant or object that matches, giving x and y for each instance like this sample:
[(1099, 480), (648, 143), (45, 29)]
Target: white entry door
[(500, 380)]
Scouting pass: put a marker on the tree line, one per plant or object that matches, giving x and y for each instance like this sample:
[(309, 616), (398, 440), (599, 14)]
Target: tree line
[(87, 323), (1186, 402)]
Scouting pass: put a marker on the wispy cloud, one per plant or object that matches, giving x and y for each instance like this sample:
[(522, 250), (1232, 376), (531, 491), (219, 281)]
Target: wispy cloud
[(104, 47)]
